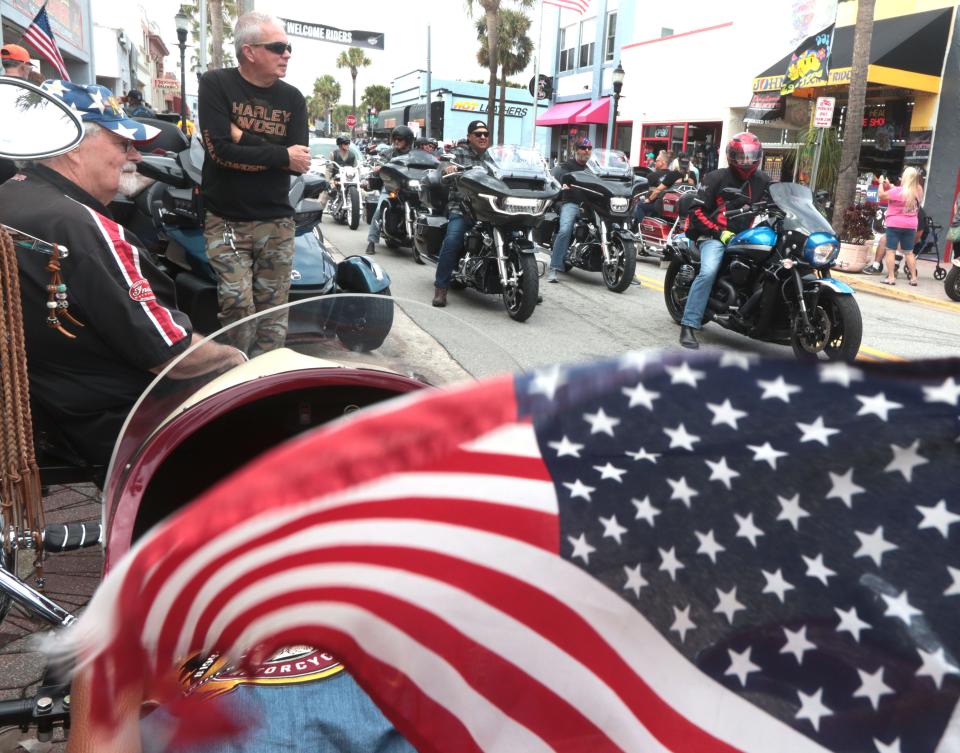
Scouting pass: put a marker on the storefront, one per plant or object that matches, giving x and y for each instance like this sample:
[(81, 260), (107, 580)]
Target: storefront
[(695, 139), (71, 22), (560, 118)]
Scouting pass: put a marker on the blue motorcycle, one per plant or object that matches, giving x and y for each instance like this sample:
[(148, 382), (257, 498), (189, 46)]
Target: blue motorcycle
[(774, 282)]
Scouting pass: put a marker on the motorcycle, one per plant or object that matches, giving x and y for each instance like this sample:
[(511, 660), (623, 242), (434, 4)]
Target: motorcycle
[(344, 203), (602, 241), (506, 197), (952, 281), (656, 230), (401, 178), (774, 282), (168, 217)]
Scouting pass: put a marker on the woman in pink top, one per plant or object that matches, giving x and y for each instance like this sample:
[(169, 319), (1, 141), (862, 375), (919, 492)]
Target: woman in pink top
[(902, 212)]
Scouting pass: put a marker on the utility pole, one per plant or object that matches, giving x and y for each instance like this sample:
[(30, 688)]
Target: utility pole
[(429, 86), (203, 36)]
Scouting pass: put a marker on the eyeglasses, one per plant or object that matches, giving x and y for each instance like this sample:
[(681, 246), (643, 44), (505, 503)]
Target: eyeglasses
[(277, 48), (584, 148), (125, 145), (483, 135)]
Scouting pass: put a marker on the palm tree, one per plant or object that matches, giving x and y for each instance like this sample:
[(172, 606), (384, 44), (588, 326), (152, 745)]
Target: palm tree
[(220, 32), (326, 93), (353, 58), (513, 49), (853, 119), (491, 10)]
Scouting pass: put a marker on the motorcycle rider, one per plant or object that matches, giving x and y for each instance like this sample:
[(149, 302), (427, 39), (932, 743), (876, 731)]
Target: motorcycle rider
[(569, 209), (343, 155), (427, 145), (666, 180), (712, 223), (471, 155), (401, 140)]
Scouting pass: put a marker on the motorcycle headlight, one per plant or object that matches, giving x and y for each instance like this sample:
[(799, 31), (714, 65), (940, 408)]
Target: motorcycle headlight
[(821, 249), (513, 205), (348, 173), (414, 184), (619, 206)]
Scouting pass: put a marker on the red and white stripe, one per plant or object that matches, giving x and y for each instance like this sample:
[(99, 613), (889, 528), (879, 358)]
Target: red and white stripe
[(578, 6), (439, 585), (46, 45), (127, 258)]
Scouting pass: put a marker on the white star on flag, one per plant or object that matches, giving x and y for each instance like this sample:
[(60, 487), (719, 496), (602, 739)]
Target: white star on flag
[(581, 548), (938, 517), (905, 459), (766, 452), (954, 588), (872, 687), (669, 562), (936, 666), (725, 413), (948, 392), (898, 606), (579, 489), (850, 622), (727, 604), (840, 373), (610, 471), (812, 708), (844, 488), (679, 437), (633, 360), (776, 584), (566, 448), (817, 569), (817, 432), (546, 382), (878, 405), (642, 454), (777, 389), (720, 471), (640, 395), (797, 643), (612, 529), (683, 374), (791, 511), (635, 581), (681, 490), (737, 360), (873, 545), (600, 422), (645, 510), (682, 623), (746, 529), (708, 545), (740, 665)]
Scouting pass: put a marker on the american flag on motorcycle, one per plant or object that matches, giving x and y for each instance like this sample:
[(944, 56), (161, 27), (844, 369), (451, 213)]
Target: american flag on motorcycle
[(657, 553)]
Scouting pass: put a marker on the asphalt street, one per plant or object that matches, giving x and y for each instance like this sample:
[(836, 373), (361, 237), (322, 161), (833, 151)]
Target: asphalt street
[(580, 320)]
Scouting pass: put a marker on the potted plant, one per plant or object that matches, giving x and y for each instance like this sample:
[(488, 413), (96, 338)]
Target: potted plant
[(856, 238)]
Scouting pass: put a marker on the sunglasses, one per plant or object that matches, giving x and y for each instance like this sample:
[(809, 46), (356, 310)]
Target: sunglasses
[(277, 48), (481, 135)]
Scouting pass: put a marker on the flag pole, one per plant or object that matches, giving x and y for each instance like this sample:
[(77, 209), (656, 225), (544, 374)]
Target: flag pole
[(536, 80)]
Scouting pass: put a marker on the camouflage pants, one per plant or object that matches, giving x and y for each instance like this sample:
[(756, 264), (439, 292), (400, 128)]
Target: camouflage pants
[(253, 275)]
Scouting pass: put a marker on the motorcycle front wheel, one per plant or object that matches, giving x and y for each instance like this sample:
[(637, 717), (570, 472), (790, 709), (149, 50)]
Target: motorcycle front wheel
[(354, 208), (520, 293), (618, 274), (839, 313), (673, 296), (952, 283)]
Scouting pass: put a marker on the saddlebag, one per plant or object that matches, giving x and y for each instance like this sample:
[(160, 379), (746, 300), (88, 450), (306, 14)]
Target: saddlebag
[(429, 234)]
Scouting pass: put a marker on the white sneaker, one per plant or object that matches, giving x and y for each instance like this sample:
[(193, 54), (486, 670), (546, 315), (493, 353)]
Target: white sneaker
[(873, 268)]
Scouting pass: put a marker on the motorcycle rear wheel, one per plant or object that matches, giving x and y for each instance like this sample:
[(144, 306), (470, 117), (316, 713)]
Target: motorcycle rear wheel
[(618, 274), (672, 297), (520, 294), (952, 283), (354, 208), (842, 314)]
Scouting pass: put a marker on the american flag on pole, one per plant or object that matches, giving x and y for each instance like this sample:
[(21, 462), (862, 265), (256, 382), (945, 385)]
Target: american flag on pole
[(580, 6), (40, 35), (658, 553)]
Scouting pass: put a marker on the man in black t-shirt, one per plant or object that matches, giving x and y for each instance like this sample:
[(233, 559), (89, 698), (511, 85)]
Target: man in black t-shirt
[(254, 130), (665, 179), (131, 330), (568, 208)]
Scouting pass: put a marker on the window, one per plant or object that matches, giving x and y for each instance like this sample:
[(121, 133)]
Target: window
[(588, 35), (666, 32), (610, 44), (568, 48)]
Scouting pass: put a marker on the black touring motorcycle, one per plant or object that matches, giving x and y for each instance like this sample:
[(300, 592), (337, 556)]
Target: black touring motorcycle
[(507, 197), (774, 282), (401, 178), (602, 241)]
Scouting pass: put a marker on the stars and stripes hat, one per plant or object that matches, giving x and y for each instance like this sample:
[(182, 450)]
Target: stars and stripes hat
[(97, 104)]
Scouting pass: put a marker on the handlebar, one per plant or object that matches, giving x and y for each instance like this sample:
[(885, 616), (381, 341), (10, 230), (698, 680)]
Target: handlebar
[(70, 536)]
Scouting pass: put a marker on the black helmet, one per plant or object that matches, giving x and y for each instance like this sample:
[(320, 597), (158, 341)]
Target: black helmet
[(404, 133), (343, 140), (422, 141)]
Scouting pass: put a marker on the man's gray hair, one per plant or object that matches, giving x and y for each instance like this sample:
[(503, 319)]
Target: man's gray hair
[(249, 29)]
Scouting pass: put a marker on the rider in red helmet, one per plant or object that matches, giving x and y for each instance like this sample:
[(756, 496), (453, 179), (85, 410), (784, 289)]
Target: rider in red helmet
[(712, 223)]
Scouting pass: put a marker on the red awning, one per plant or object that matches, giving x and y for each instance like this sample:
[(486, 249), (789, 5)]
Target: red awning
[(561, 113), (597, 111)]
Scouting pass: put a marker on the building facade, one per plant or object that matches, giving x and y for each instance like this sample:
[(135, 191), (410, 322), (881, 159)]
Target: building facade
[(72, 25)]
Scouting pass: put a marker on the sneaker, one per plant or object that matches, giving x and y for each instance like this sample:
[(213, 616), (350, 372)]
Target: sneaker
[(552, 275), (873, 268)]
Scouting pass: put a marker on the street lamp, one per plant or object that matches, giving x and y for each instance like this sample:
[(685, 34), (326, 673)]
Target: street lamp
[(618, 76), (182, 21)]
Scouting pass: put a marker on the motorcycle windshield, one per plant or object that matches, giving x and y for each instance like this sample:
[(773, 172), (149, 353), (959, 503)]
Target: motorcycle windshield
[(796, 201), (338, 354), (510, 161), (609, 163)]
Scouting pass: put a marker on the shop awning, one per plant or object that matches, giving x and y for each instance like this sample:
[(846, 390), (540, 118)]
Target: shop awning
[(561, 113), (906, 51), (597, 111)]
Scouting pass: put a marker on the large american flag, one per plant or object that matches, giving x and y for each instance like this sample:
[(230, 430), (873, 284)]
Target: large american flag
[(40, 35), (664, 552)]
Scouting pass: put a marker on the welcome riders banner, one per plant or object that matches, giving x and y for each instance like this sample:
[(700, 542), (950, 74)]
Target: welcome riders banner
[(372, 40), (810, 62)]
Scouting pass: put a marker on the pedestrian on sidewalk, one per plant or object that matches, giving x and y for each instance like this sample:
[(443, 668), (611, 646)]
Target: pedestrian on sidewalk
[(902, 220)]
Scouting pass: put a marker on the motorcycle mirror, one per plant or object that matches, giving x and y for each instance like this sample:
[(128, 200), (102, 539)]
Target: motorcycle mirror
[(45, 126)]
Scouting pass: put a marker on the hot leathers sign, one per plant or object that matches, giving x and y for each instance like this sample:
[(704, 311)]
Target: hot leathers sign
[(370, 39)]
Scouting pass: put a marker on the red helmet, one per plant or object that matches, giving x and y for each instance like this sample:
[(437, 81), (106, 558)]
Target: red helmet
[(744, 154)]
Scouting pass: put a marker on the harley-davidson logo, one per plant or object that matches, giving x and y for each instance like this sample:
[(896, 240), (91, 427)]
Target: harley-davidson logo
[(140, 291)]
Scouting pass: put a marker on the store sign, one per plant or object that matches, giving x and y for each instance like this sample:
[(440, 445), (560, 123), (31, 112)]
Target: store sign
[(545, 88), (764, 106), (823, 115), (474, 105), (166, 83), (66, 18), (372, 40), (917, 151), (810, 62)]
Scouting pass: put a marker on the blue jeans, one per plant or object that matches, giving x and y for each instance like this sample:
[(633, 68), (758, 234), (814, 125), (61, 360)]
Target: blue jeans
[(642, 209), (569, 211), (711, 254), (457, 227), (374, 235)]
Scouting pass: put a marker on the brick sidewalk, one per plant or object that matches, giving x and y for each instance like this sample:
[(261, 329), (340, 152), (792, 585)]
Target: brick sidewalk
[(71, 578)]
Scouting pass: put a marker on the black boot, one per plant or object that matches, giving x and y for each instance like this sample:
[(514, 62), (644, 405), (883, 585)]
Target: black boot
[(371, 248), (688, 338)]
